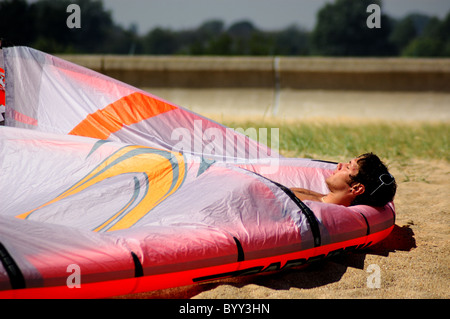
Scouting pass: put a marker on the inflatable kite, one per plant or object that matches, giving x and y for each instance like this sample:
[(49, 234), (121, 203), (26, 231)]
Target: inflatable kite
[(108, 190)]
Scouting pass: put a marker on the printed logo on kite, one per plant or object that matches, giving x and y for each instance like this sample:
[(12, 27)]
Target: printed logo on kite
[(156, 174), (2, 94)]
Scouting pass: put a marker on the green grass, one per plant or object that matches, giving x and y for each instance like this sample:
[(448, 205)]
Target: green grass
[(338, 141)]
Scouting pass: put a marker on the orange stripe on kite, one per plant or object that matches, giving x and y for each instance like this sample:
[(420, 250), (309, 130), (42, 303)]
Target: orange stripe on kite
[(128, 110)]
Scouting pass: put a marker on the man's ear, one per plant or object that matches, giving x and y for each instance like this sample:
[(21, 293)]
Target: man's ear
[(358, 189)]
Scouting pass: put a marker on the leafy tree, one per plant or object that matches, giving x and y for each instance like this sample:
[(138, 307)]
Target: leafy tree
[(261, 43), (208, 38), (17, 22), (160, 41), (241, 33), (291, 41), (241, 29), (211, 28), (433, 42), (342, 30), (53, 35), (97, 25), (123, 41), (220, 45), (42, 25), (403, 33)]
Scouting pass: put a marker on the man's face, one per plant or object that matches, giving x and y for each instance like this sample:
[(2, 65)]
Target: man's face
[(340, 179)]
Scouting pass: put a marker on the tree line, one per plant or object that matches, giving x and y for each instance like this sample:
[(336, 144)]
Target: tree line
[(341, 30)]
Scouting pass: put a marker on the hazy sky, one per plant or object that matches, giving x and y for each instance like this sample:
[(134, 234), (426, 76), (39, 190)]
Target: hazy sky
[(265, 14)]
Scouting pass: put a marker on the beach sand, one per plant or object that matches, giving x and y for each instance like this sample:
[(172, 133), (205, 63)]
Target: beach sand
[(413, 261)]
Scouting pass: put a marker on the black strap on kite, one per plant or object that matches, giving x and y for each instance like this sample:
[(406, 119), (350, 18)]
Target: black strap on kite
[(16, 278), (313, 223), (367, 224), (241, 255), (138, 270)]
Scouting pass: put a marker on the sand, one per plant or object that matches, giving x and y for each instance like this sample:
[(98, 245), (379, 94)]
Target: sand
[(413, 261)]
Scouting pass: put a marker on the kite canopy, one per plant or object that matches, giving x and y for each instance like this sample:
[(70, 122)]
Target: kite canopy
[(109, 190)]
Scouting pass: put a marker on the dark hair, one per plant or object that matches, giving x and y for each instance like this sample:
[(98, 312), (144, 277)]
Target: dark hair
[(380, 185)]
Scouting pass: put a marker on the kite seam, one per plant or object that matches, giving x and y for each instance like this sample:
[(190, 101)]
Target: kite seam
[(138, 269), (241, 254), (16, 278)]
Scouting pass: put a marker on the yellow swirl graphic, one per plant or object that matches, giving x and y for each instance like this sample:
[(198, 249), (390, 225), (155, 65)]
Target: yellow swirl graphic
[(164, 172)]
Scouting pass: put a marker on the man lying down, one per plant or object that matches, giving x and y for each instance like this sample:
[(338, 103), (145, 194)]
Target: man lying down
[(365, 180)]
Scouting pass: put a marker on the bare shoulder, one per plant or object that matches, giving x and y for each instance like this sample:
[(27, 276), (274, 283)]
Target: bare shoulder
[(306, 194)]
